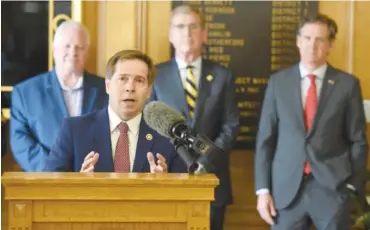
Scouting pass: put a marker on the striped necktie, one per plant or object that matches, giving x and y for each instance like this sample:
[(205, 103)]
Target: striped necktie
[(191, 90)]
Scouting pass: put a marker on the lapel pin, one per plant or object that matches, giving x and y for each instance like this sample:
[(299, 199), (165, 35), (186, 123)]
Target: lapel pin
[(149, 137), (331, 82), (209, 78)]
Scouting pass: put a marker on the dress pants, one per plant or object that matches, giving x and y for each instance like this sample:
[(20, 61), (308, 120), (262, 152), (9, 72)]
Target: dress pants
[(315, 205)]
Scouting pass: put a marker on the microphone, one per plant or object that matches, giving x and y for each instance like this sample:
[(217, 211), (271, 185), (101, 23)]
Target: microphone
[(163, 118), (199, 153)]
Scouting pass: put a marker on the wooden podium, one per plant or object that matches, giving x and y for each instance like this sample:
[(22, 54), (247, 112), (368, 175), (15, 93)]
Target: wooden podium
[(108, 201)]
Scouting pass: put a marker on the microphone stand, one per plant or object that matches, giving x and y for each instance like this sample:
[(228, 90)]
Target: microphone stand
[(182, 149)]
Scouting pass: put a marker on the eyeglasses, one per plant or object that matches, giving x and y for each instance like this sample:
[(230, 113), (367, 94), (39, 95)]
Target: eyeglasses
[(193, 26)]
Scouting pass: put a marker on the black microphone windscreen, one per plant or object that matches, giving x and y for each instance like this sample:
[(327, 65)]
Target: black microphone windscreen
[(161, 117)]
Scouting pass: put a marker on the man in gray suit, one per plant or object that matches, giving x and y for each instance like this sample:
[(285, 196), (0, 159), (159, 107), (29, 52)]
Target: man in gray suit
[(311, 141), (204, 92)]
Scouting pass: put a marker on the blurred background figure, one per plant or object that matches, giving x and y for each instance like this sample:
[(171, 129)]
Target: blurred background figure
[(204, 92), (39, 104), (311, 142)]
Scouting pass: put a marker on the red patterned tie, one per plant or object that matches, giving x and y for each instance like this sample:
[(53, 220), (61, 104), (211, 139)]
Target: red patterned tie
[(122, 155), (310, 110)]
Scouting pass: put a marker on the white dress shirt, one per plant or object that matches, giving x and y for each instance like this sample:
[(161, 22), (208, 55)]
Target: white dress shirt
[(73, 96), (306, 82), (133, 133), (197, 69), (305, 85)]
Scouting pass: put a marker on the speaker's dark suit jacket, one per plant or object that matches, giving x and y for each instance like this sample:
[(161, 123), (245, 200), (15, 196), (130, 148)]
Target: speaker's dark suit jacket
[(37, 111), (81, 135), (216, 113), (335, 146)]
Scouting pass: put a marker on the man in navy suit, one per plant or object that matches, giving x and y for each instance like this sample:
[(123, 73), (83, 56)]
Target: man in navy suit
[(204, 92), (40, 104), (116, 139)]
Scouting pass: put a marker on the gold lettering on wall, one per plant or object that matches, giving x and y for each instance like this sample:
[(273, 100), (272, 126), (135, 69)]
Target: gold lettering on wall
[(249, 90), (285, 19), (216, 49), (248, 104), (285, 11), (292, 4), (209, 18), (219, 34), (225, 42), (250, 114), (215, 26), (251, 81), (220, 10), (248, 129), (220, 39), (220, 58), (218, 3)]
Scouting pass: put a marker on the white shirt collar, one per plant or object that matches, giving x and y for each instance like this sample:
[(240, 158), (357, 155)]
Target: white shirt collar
[(114, 120), (197, 64), (78, 85), (319, 72)]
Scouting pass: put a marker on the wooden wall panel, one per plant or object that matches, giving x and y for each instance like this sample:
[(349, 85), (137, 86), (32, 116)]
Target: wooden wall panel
[(339, 11), (106, 226), (158, 46), (352, 44), (361, 49), (242, 213), (90, 20), (117, 30)]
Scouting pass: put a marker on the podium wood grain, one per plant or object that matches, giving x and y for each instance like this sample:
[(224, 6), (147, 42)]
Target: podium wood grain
[(108, 201)]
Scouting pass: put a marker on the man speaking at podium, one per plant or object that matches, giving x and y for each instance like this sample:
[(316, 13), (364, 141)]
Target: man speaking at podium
[(116, 139)]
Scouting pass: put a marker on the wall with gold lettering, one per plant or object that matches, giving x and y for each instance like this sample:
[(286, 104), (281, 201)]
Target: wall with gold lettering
[(253, 39), (110, 34)]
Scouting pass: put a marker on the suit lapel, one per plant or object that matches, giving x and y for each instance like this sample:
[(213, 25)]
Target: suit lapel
[(328, 84), (102, 142), (55, 92), (203, 90), (297, 96), (144, 145), (178, 88), (89, 95)]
